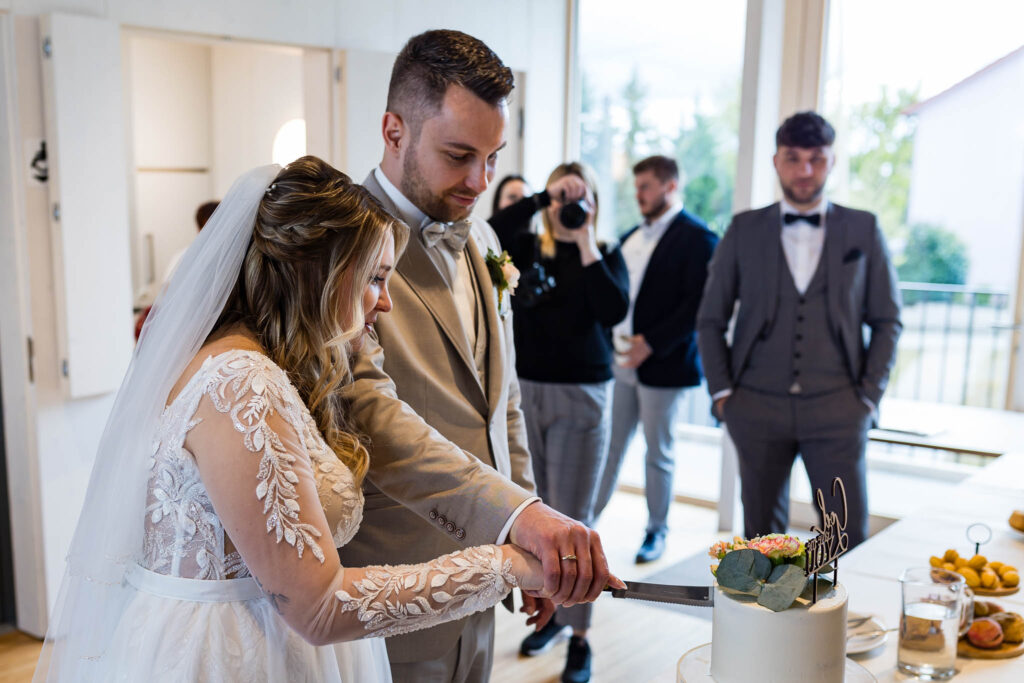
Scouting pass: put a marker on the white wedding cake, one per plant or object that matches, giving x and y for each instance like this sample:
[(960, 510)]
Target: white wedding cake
[(803, 643)]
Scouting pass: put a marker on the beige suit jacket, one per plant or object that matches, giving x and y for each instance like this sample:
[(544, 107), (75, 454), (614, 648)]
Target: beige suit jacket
[(416, 392)]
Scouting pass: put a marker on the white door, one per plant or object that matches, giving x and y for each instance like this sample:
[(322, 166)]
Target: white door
[(88, 201)]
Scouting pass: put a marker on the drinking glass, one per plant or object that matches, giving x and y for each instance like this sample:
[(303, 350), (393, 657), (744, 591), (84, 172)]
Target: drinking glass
[(937, 610)]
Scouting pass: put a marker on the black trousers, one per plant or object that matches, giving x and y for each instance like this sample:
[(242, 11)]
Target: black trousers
[(829, 433)]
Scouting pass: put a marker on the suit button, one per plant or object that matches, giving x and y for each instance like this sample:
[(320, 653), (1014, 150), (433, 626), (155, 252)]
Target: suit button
[(799, 318), (796, 355), (450, 527), (432, 514), (442, 520), (796, 373), (802, 300), (460, 533), (799, 337)]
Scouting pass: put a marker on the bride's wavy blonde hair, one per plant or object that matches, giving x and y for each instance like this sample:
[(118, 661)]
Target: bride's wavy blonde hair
[(317, 241)]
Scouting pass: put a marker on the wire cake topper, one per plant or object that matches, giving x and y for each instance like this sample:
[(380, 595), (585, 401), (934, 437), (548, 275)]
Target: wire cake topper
[(823, 550)]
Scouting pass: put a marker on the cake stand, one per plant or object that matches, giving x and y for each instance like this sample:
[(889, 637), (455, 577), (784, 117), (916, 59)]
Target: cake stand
[(695, 667)]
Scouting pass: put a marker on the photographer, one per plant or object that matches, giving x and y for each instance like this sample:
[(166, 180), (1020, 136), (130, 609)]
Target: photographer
[(571, 292)]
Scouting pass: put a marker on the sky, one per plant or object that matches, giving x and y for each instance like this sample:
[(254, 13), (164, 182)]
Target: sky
[(694, 48)]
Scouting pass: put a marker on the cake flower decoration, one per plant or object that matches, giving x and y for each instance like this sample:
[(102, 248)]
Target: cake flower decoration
[(769, 568)]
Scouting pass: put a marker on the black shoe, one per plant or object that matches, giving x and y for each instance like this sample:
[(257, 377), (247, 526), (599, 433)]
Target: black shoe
[(652, 548), (541, 641), (577, 664)]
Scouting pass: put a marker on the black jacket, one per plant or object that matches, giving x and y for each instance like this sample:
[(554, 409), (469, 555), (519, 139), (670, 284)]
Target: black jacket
[(665, 311)]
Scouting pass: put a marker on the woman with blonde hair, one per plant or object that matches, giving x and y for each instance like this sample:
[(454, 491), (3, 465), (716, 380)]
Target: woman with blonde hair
[(227, 473), (572, 290)]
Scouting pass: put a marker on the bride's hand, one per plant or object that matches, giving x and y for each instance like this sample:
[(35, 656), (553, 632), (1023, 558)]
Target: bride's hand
[(527, 569), (529, 572)]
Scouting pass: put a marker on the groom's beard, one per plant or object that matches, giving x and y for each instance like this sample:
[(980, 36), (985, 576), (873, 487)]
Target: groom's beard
[(415, 188)]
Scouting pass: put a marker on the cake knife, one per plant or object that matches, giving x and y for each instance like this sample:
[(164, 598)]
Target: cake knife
[(699, 596)]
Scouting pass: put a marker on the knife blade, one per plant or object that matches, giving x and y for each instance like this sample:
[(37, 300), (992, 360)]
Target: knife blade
[(699, 596)]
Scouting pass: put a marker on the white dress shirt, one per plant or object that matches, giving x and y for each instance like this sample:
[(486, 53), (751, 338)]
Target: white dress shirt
[(636, 252), (455, 269), (802, 243)]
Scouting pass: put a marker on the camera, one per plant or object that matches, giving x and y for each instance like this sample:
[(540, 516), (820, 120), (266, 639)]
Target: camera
[(573, 214), (535, 286)]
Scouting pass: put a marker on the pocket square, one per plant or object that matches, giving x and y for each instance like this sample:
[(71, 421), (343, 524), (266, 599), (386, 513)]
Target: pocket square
[(853, 255)]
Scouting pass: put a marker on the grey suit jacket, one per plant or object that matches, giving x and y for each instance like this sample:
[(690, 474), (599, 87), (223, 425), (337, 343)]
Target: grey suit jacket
[(416, 392), (862, 291)]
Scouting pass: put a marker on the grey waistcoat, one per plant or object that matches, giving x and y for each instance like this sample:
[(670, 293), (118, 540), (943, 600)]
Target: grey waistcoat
[(798, 355)]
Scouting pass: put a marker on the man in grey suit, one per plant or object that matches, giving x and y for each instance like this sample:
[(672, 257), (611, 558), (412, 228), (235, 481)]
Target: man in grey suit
[(799, 377), (438, 395)]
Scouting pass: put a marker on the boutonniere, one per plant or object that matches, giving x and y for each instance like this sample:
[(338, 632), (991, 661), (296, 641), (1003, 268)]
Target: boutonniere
[(504, 275)]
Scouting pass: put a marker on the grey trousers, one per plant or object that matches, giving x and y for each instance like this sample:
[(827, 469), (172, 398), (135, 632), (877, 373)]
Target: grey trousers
[(654, 408), (828, 432), (567, 426), (469, 661)]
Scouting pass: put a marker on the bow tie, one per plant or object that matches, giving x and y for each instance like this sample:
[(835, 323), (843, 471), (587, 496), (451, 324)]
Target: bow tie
[(812, 218), (454, 235)]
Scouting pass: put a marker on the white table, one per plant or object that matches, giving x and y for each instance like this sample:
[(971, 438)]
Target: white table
[(940, 426), (871, 571), (948, 427)]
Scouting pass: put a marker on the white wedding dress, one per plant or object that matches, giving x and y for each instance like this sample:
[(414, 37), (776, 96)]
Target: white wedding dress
[(198, 613)]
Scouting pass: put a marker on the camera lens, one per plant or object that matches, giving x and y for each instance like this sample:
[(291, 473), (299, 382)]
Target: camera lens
[(573, 214)]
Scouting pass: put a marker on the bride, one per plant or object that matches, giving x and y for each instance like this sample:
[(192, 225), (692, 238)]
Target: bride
[(227, 475)]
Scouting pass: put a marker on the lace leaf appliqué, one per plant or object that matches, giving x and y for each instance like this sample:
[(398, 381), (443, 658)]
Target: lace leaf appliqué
[(394, 600), (277, 479)]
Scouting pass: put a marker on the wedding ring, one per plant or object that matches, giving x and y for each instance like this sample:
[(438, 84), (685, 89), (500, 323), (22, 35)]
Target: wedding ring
[(571, 558)]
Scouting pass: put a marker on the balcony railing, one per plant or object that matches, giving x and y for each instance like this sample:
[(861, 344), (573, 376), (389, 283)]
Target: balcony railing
[(955, 346)]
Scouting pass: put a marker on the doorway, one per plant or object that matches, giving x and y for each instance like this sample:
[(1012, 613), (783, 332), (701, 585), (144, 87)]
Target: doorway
[(201, 113)]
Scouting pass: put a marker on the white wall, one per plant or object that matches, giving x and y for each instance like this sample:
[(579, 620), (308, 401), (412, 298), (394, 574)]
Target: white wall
[(51, 477), (19, 396), (256, 90), (168, 90), (49, 469), (968, 171), (362, 104)]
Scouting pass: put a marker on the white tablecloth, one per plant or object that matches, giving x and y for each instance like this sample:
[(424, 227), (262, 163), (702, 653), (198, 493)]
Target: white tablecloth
[(871, 571)]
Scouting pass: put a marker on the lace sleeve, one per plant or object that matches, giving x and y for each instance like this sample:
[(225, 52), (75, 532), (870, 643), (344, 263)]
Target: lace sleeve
[(258, 474), (393, 600)]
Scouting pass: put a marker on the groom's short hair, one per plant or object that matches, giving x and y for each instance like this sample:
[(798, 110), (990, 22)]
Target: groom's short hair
[(805, 129), (434, 60)]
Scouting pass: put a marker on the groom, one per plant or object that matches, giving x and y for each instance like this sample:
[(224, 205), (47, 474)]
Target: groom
[(459, 475)]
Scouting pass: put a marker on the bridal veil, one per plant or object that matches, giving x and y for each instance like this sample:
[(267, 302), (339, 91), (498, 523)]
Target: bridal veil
[(108, 537)]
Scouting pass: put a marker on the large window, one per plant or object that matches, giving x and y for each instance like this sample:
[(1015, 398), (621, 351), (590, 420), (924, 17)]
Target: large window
[(928, 104), (661, 78)]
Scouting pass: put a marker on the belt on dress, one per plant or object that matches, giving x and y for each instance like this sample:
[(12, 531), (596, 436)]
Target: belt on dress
[(196, 590)]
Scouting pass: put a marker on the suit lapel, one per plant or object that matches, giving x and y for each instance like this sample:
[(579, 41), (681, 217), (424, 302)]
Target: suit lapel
[(833, 256), (656, 254), (496, 351), (774, 259), (426, 281)]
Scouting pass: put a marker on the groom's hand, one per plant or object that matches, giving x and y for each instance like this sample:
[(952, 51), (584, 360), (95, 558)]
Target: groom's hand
[(550, 536), (540, 611)]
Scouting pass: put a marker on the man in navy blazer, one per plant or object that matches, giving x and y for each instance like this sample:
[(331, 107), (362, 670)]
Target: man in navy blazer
[(799, 377), (667, 257)]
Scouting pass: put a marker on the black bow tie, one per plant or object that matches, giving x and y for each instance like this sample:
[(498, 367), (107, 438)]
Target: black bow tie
[(812, 218)]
